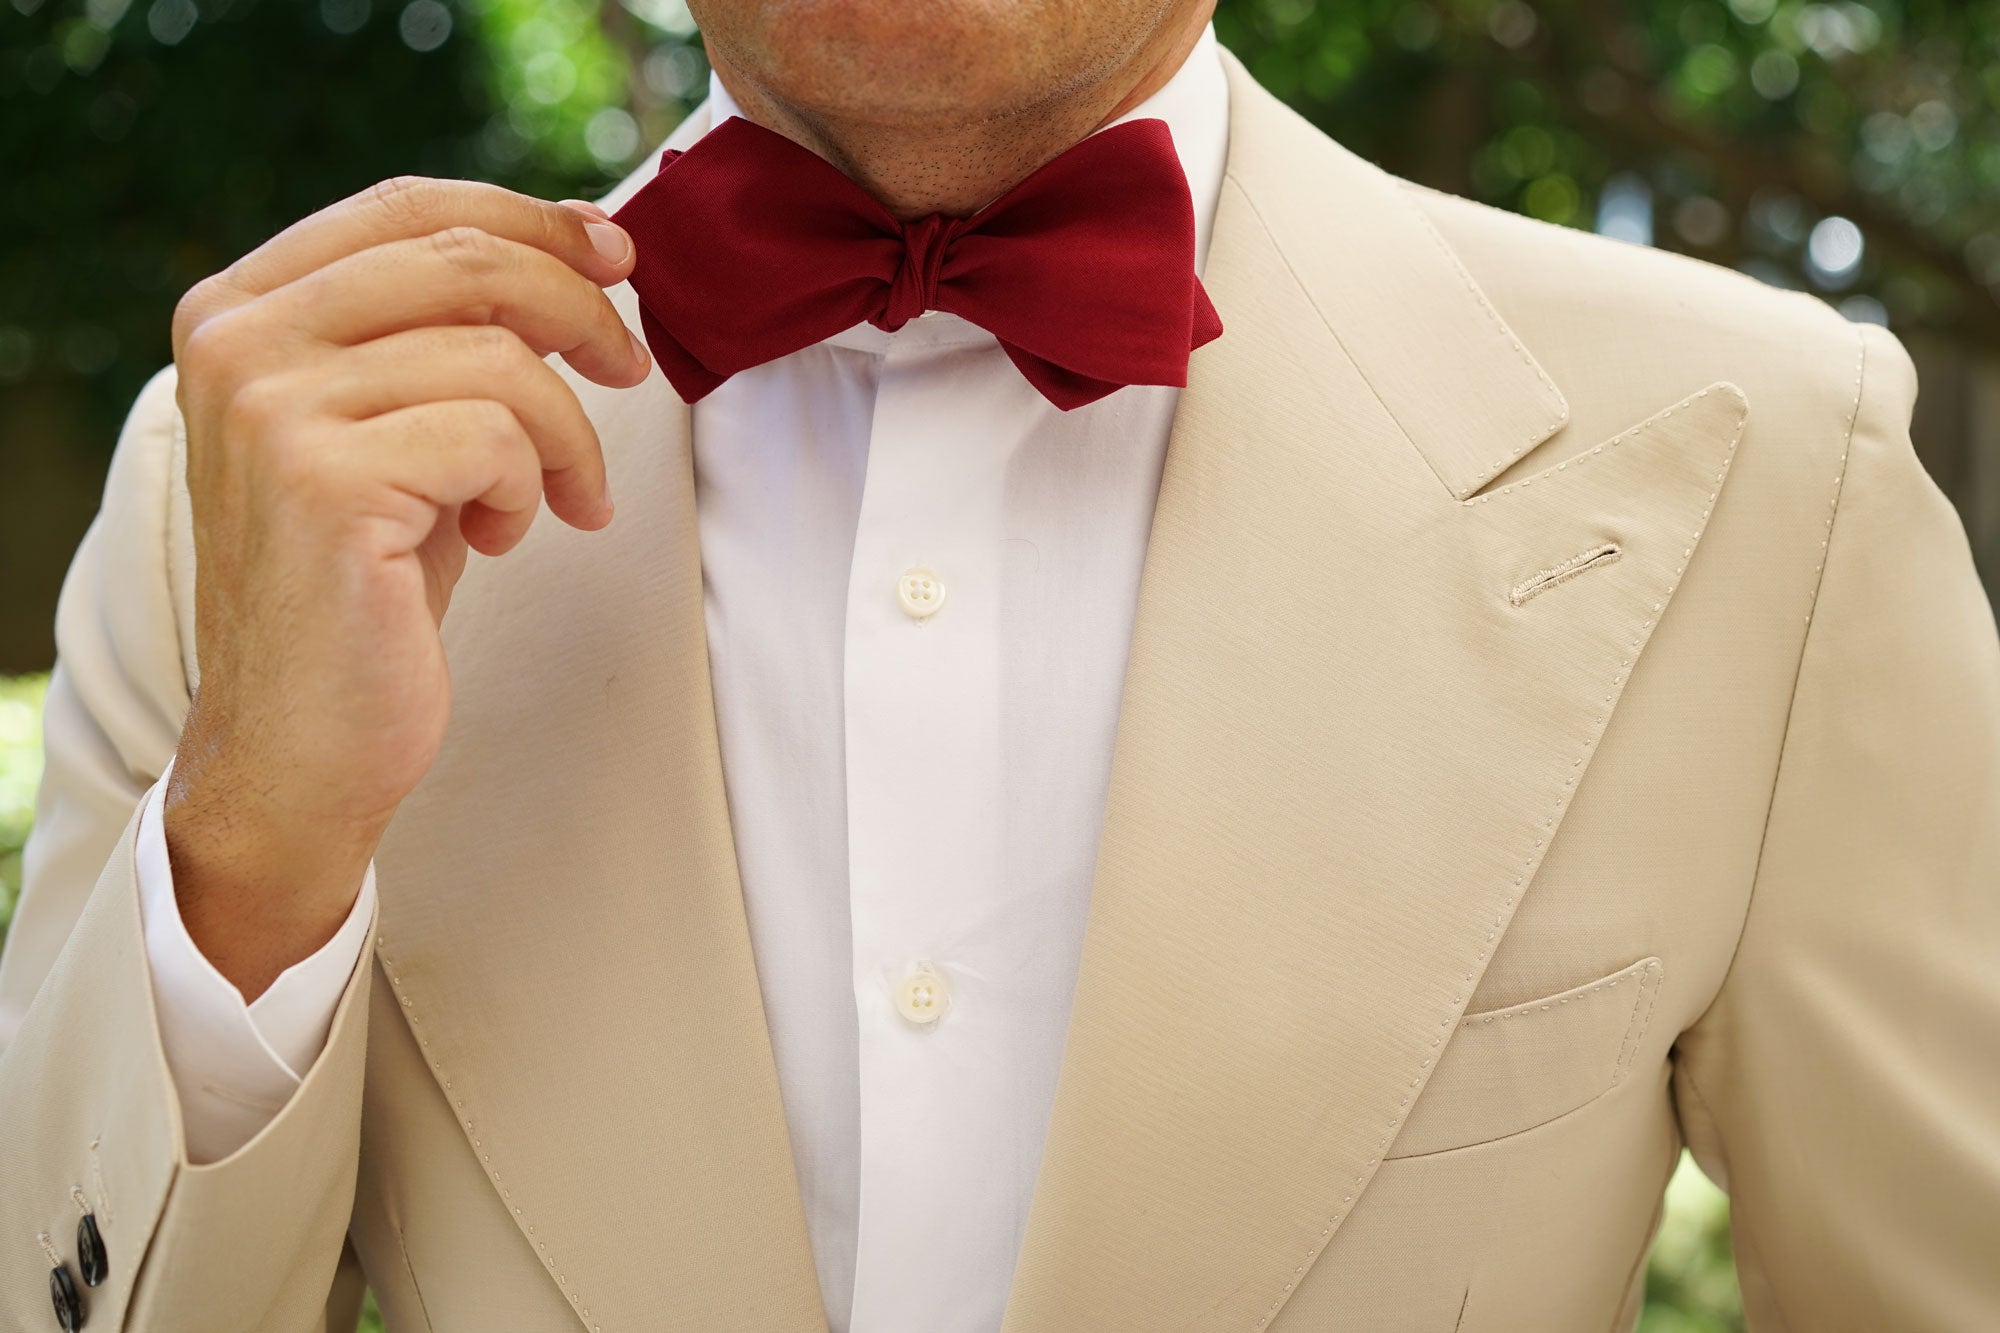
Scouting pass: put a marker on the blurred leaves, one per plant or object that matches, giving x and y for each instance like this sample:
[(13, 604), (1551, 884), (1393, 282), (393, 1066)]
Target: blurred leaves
[(1734, 130), (148, 143), (1691, 1278), (20, 773), (149, 146)]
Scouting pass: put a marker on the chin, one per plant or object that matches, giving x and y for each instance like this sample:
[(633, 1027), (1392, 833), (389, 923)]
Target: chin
[(896, 61)]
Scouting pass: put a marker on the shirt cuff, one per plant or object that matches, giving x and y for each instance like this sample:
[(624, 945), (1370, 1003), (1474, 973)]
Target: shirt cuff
[(234, 1065)]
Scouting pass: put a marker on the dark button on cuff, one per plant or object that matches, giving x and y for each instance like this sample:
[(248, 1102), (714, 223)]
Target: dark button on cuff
[(91, 1260), (69, 1305)]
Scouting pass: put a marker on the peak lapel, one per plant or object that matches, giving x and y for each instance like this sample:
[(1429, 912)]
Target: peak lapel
[(562, 923), (1446, 368), (1357, 706)]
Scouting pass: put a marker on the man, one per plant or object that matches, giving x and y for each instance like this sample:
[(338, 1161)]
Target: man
[(1303, 851)]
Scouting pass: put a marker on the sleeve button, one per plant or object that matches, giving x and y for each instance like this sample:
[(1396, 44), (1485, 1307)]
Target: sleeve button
[(69, 1305), (91, 1260)]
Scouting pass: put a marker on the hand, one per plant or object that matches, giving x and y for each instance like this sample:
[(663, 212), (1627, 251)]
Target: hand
[(365, 397)]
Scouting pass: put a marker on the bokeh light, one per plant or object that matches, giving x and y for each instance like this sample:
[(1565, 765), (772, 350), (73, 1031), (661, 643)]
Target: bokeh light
[(1834, 251)]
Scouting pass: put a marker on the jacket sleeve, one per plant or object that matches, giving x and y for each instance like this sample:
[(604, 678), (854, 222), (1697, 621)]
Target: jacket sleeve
[(92, 1122), (1844, 1086)]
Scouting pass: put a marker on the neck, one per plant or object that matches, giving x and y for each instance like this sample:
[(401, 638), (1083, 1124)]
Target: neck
[(919, 168)]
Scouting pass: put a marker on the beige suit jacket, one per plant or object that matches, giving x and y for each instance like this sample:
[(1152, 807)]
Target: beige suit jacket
[(1563, 722)]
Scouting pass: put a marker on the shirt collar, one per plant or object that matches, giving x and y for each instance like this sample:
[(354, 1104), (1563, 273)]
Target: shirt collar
[(1195, 105)]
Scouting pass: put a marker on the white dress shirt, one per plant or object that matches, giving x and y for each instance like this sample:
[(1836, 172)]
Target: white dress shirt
[(920, 580)]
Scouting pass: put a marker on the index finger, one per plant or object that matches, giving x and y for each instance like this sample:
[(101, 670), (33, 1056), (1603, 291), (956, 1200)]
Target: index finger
[(406, 207)]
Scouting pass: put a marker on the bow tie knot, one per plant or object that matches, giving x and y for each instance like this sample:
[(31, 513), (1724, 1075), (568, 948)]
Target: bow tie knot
[(751, 247), (915, 286)]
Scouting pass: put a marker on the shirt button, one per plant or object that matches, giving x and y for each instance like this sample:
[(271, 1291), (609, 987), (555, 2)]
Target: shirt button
[(920, 997), (920, 591)]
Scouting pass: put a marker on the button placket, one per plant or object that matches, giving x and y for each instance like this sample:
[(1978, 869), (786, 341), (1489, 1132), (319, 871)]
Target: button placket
[(922, 742)]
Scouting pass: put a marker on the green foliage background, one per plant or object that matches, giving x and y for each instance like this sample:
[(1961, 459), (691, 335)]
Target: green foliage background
[(146, 143), (20, 771)]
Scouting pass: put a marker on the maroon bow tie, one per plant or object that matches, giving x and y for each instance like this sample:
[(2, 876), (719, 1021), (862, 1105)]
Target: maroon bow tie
[(751, 247)]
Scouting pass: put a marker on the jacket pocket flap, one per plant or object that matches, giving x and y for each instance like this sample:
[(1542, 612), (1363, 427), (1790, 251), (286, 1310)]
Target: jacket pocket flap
[(1508, 1070)]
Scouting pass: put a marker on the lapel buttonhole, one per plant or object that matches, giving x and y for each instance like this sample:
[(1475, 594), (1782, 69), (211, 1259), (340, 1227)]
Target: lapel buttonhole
[(1568, 569)]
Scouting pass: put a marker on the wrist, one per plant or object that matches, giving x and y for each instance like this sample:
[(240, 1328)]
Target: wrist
[(258, 890)]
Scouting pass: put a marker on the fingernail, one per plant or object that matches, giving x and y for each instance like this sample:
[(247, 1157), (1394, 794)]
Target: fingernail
[(639, 352), (609, 241)]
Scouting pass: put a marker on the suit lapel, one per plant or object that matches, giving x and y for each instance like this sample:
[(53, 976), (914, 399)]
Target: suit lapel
[(1358, 702), (562, 923)]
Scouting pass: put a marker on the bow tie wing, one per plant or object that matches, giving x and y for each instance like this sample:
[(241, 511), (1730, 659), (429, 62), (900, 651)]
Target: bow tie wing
[(749, 248), (1085, 270)]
